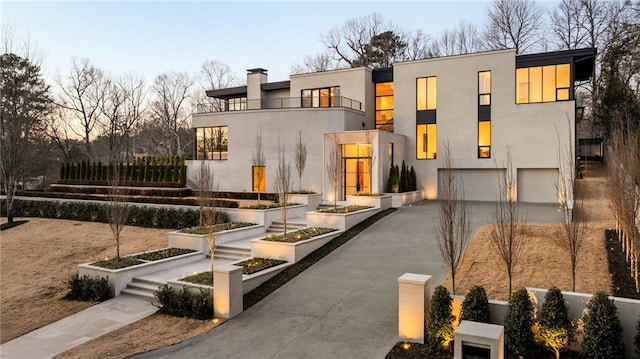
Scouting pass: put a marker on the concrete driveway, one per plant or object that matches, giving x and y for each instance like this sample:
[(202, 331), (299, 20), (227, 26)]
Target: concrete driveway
[(344, 306)]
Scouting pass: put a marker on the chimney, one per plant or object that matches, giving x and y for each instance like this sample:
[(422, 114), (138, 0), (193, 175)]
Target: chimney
[(255, 78)]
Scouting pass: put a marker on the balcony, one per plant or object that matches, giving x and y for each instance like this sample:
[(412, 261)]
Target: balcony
[(282, 103)]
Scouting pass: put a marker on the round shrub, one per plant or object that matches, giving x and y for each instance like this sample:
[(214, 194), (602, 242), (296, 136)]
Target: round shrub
[(555, 327), (518, 322), (439, 319), (476, 306), (602, 329)]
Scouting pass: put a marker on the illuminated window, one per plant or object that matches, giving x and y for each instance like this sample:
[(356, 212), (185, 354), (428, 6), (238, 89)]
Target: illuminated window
[(484, 88), (543, 83), (484, 139), (384, 106), (426, 141), (212, 143), (321, 97), (237, 104), (426, 93), (259, 178)]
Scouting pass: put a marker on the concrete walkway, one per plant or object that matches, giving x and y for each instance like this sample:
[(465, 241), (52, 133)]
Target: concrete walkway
[(78, 328), (344, 306)]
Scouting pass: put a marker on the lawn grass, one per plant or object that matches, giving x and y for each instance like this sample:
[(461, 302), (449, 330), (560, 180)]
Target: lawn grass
[(291, 272)]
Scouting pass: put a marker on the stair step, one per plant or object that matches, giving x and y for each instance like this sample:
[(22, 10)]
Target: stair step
[(139, 285), (138, 293), (149, 282)]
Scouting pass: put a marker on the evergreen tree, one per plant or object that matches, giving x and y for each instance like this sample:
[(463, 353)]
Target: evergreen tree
[(555, 326), (475, 306), (414, 181), (439, 319), (518, 324), (393, 184), (404, 178), (602, 329)]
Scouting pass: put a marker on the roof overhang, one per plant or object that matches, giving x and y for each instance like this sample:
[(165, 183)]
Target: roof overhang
[(582, 60)]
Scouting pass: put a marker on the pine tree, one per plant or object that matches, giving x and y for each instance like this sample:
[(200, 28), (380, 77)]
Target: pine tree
[(555, 326), (518, 324), (602, 329), (475, 306)]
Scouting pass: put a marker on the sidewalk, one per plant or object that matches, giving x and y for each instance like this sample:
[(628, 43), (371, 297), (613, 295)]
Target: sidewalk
[(78, 328)]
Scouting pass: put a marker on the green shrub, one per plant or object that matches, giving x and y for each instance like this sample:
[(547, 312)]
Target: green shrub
[(636, 339), (88, 289), (404, 178), (439, 324), (518, 322), (414, 180), (475, 306), (183, 303), (555, 327), (602, 329), (393, 183)]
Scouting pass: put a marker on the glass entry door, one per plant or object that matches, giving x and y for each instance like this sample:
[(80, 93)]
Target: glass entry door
[(357, 168)]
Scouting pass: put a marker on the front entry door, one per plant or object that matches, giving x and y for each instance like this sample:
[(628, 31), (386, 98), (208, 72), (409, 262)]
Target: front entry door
[(357, 175)]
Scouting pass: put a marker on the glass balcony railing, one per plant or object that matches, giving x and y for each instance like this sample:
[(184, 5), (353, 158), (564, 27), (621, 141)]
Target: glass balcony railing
[(284, 103)]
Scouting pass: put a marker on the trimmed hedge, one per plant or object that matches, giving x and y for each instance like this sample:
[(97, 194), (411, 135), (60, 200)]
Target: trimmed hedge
[(121, 183), (264, 196), (152, 217), (155, 192), (183, 303), (88, 289)]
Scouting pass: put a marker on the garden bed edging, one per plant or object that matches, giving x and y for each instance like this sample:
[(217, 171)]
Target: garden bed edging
[(290, 252)]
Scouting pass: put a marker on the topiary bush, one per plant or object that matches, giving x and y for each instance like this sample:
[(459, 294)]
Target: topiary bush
[(184, 303), (393, 184), (475, 306), (602, 329), (88, 289), (439, 324), (556, 330), (518, 324)]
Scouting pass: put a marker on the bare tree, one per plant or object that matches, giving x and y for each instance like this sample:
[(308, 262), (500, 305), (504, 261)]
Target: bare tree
[(24, 104), (463, 39), (214, 75), (315, 63), (567, 21), (169, 109), (117, 208), (454, 220), (513, 24), (210, 216), (571, 236), (122, 107), (334, 170), (300, 158), (58, 131), (283, 182), (259, 163), (419, 46), (82, 92), (507, 234)]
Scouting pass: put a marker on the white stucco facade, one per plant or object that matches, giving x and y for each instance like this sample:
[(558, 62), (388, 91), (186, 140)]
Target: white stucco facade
[(534, 134)]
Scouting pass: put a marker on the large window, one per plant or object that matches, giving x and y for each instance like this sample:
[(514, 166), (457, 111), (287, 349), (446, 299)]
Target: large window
[(426, 141), (237, 104), (543, 83), (384, 106), (321, 97), (426, 93), (212, 143), (484, 114)]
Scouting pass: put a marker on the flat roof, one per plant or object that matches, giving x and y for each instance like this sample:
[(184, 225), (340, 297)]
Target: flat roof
[(583, 61)]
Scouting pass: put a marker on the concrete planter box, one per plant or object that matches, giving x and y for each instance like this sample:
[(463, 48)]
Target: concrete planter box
[(405, 198), (253, 281), (199, 242), (119, 278), (193, 287), (339, 220), (312, 201), (290, 252), (383, 202), (263, 216)]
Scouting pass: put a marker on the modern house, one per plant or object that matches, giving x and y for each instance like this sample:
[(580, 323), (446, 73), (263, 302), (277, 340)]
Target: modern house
[(484, 106)]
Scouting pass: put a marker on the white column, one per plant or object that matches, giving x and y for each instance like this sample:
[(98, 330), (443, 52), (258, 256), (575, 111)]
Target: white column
[(414, 294), (227, 291)]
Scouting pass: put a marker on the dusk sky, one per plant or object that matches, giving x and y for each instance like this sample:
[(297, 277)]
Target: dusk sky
[(153, 37)]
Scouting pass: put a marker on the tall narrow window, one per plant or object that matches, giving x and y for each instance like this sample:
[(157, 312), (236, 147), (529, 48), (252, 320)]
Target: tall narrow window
[(259, 178), (384, 106), (426, 105), (484, 114)]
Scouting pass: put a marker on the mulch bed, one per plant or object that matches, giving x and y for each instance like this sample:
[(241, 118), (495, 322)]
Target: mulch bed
[(621, 281)]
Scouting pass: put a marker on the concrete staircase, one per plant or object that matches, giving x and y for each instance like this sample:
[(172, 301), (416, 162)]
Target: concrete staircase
[(231, 252), (143, 288), (277, 227)]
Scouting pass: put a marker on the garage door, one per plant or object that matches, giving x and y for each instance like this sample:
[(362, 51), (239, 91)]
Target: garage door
[(479, 184), (537, 185)]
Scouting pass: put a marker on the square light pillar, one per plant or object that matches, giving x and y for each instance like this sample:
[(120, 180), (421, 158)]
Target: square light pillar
[(480, 340), (414, 294), (227, 291)]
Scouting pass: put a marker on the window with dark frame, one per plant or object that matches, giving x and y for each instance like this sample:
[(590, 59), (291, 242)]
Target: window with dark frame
[(384, 106), (426, 127), (484, 114), (212, 143), (321, 97)]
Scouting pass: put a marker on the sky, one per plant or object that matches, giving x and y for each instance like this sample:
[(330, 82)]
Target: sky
[(154, 37)]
